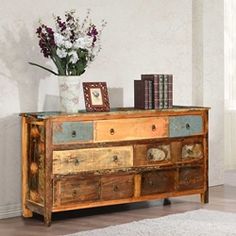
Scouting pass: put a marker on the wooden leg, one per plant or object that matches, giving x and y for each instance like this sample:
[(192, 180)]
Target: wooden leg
[(166, 202), (205, 197), (25, 189), (48, 219)]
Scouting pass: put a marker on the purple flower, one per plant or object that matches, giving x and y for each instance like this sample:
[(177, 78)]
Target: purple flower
[(93, 33)]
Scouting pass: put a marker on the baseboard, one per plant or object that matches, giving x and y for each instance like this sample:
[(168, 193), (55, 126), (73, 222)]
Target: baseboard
[(11, 210)]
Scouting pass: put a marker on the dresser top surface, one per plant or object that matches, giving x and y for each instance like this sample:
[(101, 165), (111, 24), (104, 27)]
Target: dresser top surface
[(113, 111)]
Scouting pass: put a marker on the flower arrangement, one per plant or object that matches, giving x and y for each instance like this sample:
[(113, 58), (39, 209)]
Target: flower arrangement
[(72, 45)]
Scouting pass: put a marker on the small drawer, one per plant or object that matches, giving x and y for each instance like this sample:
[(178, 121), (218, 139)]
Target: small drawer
[(117, 187), (70, 132), (181, 126), (160, 181), (131, 129), (151, 154), (191, 178), (72, 190), (74, 161)]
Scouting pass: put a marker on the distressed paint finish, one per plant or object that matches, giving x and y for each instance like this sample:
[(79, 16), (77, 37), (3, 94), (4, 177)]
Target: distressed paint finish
[(130, 158), (181, 126), (131, 129), (117, 187), (74, 161), (71, 132), (158, 182)]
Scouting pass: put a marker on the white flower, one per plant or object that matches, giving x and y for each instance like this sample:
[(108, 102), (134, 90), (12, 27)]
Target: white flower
[(83, 42), (68, 44), (59, 39), (73, 57), (61, 53)]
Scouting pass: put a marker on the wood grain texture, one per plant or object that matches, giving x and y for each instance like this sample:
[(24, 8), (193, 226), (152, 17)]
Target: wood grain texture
[(131, 129), (74, 161), (24, 155)]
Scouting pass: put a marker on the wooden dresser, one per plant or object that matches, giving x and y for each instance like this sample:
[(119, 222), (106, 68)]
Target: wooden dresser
[(84, 160)]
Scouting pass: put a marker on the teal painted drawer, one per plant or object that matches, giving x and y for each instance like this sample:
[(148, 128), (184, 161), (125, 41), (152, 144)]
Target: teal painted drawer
[(180, 126), (70, 132)]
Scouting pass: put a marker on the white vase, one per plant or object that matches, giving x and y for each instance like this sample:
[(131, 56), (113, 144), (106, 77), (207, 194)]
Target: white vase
[(69, 91)]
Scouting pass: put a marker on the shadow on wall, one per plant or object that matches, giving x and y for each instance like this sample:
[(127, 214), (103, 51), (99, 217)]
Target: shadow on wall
[(17, 48), (10, 158), (116, 96)]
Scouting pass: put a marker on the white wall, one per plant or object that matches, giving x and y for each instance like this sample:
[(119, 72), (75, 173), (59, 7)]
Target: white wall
[(152, 36)]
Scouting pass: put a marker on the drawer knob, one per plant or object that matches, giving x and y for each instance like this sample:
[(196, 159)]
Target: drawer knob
[(74, 193), (150, 157), (187, 126), (150, 182), (154, 128), (77, 162), (115, 188), (73, 133), (112, 131), (115, 158)]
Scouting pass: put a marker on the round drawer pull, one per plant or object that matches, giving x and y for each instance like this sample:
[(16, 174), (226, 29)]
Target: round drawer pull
[(154, 128), (112, 131), (150, 182), (150, 157), (73, 134), (115, 158), (187, 126), (74, 193), (115, 188), (77, 161)]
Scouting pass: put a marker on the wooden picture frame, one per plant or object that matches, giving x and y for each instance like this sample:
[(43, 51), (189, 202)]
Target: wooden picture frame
[(96, 96)]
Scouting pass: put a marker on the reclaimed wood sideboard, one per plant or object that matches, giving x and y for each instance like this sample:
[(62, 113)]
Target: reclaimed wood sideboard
[(84, 160)]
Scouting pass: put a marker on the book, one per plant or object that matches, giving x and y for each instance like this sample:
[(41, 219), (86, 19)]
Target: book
[(141, 94), (170, 91), (157, 89)]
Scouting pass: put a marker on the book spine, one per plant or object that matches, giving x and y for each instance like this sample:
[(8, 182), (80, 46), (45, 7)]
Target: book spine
[(156, 92), (161, 92), (146, 94), (150, 94), (165, 91), (170, 91)]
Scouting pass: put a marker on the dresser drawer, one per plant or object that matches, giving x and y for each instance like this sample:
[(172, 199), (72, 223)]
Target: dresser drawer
[(131, 129), (180, 126), (160, 181), (151, 154), (74, 190), (191, 178), (70, 132), (117, 187), (73, 161)]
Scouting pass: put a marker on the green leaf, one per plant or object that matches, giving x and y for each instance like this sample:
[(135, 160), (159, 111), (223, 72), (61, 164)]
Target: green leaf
[(45, 68)]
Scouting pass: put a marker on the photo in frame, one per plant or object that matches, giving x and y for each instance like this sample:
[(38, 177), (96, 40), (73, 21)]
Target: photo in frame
[(96, 96)]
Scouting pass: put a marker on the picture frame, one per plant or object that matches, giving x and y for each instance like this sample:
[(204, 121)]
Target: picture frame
[(96, 96)]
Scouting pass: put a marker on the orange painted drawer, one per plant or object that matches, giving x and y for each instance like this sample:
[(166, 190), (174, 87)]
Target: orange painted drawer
[(131, 129)]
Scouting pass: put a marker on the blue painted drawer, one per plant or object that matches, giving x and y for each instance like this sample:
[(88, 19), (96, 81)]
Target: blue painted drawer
[(70, 132), (180, 126)]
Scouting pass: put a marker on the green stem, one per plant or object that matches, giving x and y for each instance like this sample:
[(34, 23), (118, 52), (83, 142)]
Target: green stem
[(34, 64)]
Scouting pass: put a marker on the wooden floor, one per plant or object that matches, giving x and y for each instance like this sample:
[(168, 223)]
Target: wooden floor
[(222, 198)]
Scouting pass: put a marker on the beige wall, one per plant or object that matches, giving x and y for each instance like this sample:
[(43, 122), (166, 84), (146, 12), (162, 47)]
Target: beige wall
[(152, 36)]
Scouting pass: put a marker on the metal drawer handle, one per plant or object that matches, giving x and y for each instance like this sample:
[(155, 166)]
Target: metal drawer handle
[(112, 131), (74, 193), (73, 133), (187, 126), (77, 161), (150, 157), (115, 158), (115, 188), (150, 182), (154, 128)]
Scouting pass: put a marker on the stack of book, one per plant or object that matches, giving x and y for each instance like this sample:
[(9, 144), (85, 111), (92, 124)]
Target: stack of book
[(153, 91)]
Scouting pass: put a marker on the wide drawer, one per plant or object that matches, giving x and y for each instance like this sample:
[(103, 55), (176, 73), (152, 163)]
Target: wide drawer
[(73, 161), (70, 132), (160, 181), (188, 125), (74, 189), (145, 154), (117, 187), (191, 178), (131, 129)]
